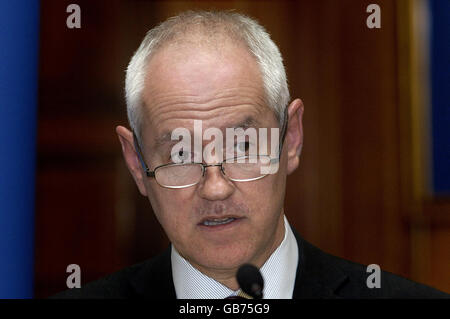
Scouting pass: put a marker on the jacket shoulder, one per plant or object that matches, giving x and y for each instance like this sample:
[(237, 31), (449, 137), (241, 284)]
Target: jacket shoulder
[(114, 286), (348, 279)]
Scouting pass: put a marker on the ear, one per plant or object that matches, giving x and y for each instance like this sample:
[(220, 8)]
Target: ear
[(131, 157), (294, 134)]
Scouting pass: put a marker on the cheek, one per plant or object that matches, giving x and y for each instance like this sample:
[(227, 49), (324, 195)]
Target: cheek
[(265, 195), (171, 208)]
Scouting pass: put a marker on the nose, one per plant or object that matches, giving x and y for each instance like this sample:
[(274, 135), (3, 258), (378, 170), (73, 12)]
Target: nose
[(214, 185)]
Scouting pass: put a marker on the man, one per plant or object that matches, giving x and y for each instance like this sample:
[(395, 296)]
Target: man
[(222, 70)]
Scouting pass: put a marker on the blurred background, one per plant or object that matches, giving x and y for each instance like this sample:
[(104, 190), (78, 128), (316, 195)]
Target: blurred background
[(373, 184)]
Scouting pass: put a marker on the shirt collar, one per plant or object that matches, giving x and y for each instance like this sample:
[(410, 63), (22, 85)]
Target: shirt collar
[(278, 272)]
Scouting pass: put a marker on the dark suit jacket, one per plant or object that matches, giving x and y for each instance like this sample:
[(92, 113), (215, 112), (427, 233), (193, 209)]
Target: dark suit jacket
[(319, 275)]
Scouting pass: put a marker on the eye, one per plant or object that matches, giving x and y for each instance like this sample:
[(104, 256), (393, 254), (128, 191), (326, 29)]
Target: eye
[(180, 157), (243, 146)]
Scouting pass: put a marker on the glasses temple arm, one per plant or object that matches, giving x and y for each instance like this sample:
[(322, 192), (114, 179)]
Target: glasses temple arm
[(147, 171)]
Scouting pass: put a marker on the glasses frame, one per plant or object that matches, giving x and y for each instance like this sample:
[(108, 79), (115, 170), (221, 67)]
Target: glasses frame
[(152, 173), (204, 166)]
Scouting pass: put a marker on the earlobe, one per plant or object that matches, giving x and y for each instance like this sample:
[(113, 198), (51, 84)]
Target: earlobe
[(294, 134), (131, 157)]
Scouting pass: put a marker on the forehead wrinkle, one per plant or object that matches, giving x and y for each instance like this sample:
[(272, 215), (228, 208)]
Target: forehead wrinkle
[(207, 114), (155, 93), (152, 95), (162, 99), (162, 111)]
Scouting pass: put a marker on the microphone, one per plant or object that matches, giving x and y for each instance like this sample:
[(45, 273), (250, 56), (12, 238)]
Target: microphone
[(250, 280)]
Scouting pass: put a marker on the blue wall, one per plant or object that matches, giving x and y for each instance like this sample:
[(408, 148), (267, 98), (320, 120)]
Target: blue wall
[(440, 94), (19, 30)]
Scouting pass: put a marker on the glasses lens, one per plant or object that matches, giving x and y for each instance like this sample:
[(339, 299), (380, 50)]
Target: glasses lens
[(179, 175), (247, 168)]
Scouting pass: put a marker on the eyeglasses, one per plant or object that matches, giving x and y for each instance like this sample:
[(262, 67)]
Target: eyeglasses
[(237, 169)]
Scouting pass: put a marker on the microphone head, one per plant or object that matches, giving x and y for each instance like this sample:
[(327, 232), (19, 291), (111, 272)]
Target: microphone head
[(250, 280)]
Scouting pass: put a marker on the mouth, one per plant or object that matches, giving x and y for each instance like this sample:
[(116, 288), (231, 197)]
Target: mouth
[(219, 223)]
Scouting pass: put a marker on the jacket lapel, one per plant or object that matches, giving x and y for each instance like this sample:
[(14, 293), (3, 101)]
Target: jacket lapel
[(154, 279), (315, 277)]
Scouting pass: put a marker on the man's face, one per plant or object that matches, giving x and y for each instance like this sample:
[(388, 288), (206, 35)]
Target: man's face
[(223, 88)]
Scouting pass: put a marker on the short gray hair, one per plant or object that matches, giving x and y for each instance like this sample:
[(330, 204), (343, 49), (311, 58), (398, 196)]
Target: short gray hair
[(232, 24)]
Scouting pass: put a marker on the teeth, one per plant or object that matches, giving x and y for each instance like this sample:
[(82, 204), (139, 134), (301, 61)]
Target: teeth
[(215, 222)]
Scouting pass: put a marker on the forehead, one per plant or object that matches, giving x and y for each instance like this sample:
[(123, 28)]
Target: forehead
[(220, 85), (186, 74), (201, 67)]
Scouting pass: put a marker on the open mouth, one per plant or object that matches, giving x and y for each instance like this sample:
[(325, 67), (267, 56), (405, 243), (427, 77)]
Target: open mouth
[(217, 222)]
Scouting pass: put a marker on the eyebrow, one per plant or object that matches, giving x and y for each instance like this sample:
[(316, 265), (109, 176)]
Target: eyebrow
[(163, 140), (248, 122), (166, 138)]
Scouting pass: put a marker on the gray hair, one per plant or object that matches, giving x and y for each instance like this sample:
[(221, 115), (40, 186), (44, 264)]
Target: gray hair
[(231, 24)]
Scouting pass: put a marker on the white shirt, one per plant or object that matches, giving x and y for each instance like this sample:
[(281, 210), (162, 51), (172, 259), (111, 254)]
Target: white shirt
[(278, 272)]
